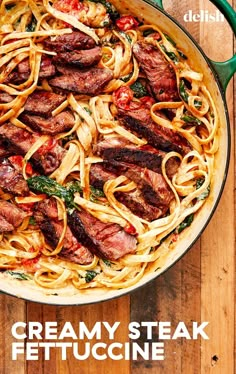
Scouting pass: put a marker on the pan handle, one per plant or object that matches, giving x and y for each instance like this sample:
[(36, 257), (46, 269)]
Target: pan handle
[(225, 70)]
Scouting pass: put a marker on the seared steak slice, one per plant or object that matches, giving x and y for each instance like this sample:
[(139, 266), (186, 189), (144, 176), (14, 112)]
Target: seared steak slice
[(159, 71), (99, 175), (132, 200), (46, 159), (137, 204), (79, 59), (119, 149), (87, 82), (52, 126), (10, 216), (47, 69), (5, 98), (106, 240), (152, 185), (11, 180), (69, 42), (140, 121), (47, 218), (42, 103)]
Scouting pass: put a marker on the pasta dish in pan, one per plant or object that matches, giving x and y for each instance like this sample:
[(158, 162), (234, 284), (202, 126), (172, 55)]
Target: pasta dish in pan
[(107, 144)]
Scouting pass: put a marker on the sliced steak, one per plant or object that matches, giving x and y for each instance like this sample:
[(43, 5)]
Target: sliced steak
[(159, 71), (119, 149), (87, 82), (10, 216), (103, 239), (79, 59), (140, 121), (11, 180), (47, 218), (5, 98), (132, 200), (46, 159), (153, 186), (69, 42), (47, 70), (52, 126), (42, 103)]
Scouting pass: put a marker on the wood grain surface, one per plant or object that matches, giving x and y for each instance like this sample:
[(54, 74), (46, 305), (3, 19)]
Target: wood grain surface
[(200, 287)]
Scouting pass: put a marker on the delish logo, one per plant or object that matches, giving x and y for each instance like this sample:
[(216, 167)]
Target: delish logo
[(203, 16)]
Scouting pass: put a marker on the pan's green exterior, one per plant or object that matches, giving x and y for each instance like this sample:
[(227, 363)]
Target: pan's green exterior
[(225, 70)]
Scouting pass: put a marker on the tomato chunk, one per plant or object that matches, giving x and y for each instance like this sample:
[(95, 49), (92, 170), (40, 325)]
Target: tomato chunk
[(123, 97), (47, 146), (130, 229), (125, 23)]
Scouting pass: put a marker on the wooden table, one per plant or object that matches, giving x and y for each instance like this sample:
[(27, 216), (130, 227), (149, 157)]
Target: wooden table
[(200, 287)]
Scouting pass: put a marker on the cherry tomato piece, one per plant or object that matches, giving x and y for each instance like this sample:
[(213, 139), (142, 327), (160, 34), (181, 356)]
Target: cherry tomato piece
[(31, 264), (123, 97), (130, 229), (125, 23), (47, 146)]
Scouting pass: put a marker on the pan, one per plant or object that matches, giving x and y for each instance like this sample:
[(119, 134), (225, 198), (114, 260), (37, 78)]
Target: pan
[(217, 76)]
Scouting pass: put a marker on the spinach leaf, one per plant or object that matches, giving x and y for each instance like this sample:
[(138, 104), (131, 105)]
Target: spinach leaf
[(87, 110), (139, 89), (32, 221), (32, 25), (170, 40), (90, 275), (182, 91), (205, 193), (107, 262), (126, 36), (197, 104), (126, 78), (186, 223), (182, 55), (191, 119), (171, 55), (148, 32), (18, 275)]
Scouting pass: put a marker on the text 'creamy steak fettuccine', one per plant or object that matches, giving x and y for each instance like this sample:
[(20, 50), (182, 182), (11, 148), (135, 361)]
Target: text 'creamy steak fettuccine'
[(107, 144)]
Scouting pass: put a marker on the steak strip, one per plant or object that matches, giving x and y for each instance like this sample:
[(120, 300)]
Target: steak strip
[(87, 82), (20, 141), (46, 216), (42, 103), (12, 180), (52, 126), (153, 186), (79, 59), (11, 216), (106, 240), (69, 42), (140, 121), (133, 200), (159, 71)]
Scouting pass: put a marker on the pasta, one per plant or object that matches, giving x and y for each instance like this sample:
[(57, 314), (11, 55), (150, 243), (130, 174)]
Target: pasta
[(106, 114)]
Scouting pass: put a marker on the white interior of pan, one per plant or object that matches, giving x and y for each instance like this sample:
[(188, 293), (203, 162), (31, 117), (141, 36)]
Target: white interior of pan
[(70, 296)]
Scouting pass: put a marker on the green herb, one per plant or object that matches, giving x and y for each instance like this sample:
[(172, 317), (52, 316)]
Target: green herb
[(148, 32), (182, 55), (126, 36), (9, 6), (74, 187), (191, 119), (205, 193), (182, 91), (107, 262), (170, 40), (139, 89), (186, 223), (87, 110), (111, 10), (50, 187), (171, 55), (32, 25), (90, 275), (126, 78), (17, 275), (32, 221), (197, 104)]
